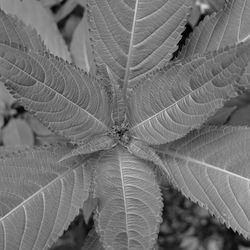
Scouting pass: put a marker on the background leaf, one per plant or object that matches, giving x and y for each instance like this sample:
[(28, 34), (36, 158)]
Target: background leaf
[(80, 46), (40, 19), (17, 132)]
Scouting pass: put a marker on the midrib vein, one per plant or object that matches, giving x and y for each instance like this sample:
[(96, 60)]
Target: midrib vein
[(200, 162), (125, 83), (53, 90)]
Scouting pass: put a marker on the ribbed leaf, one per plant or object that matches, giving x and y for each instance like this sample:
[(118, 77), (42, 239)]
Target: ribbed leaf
[(227, 27), (34, 14), (134, 37), (39, 198), (212, 167), (65, 99), (177, 99), (129, 210)]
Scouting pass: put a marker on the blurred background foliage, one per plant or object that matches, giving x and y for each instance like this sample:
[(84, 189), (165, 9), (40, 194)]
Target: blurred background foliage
[(185, 225)]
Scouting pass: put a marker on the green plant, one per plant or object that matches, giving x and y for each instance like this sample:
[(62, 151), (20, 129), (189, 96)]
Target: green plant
[(133, 123)]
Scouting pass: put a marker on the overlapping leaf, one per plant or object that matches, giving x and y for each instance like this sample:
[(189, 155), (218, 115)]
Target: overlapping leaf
[(129, 197), (179, 98), (134, 37), (64, 98), (39, 197), (211, 166)]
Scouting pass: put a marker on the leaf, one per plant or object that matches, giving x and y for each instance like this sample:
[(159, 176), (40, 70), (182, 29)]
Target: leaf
[(39, 198), (145, 152), (92, 242), (222, 116), (40, 19), (135, 37), (240, 117), (37, 126), (95, 144), (88, 208), (179, 98), (227, 27), (65, 10), (62, 97), (18, 132), (15, 31), (80, 47), (129, 210), (211, 167)]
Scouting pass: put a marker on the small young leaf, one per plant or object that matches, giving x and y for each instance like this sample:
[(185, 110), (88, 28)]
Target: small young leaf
[(94, 145), (145, 152)]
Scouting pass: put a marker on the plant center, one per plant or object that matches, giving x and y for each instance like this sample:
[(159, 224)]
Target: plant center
[(120, 133)]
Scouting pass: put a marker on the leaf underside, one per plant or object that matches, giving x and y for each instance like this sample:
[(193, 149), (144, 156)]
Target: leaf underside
[(129, 196), (179, 98), (211, 167), (39, 198)]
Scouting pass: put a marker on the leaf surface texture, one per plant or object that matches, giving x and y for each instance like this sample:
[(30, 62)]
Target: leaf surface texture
[(64, 99), (39, 198), (129, 196), (211, 167), (179, 98), (134, 37)]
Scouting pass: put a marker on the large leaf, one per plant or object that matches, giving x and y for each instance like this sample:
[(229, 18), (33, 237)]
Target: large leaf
[(212, 167), (32, 13), (129, 210), (227, 27), (179, 98), (64, 98), (39, 197), (134, 37)]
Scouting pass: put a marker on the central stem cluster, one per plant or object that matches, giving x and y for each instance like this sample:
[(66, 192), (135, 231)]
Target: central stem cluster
[(121, 134)]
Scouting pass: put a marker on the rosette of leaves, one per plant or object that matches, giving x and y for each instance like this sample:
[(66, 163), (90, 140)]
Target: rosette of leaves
[(133, 123)]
